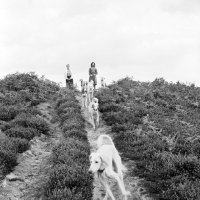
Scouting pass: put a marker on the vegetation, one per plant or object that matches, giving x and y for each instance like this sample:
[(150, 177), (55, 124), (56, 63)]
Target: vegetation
[(20, 120), (157, 125), (68, 176)]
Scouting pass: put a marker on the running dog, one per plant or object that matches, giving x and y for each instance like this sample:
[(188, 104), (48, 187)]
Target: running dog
[(106, 162), (84, 94), (93, 113)]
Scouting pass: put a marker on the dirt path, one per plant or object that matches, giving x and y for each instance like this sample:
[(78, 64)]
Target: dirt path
[(30, 171), (131, 183)]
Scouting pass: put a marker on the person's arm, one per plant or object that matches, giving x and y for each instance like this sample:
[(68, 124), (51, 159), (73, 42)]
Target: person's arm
[(96, 71)]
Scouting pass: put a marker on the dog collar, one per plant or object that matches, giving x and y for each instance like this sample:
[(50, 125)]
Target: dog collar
[(101, 170)]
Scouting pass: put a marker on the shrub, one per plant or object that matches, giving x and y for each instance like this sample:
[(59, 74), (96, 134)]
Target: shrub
[(64, 100), (29, 121), (110, 107), (172, 109), (76, 124), (74, 133), (8, 161), (69, 177), (35, 102), (22, 132), (70, 115), (21, 144), (8, 113), (69, 183)]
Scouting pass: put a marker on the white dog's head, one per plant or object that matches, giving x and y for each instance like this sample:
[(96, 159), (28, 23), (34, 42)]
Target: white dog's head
[(91, 82), (98, 162), (95, 100), (95, 106)]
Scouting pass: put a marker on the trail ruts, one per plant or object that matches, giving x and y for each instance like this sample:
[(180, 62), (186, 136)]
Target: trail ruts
[(32, 164)]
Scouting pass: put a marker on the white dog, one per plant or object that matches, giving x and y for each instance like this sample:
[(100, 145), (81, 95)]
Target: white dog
[(103, 83), (84, 93), (107, 162), (93, 112), (90, 90)]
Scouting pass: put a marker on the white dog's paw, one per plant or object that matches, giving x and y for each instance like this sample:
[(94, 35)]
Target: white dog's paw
[(128, 193)]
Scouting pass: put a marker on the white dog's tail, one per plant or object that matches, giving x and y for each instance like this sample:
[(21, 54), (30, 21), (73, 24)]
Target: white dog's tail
[(104, 139)]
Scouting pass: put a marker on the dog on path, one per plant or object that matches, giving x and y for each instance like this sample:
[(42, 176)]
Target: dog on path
[(106, 162), (90, 90), (84, 95), (93, 112), (103, 83)]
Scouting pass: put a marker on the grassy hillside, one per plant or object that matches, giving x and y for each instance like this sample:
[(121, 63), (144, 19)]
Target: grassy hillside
[(20, 120), (157, 124)]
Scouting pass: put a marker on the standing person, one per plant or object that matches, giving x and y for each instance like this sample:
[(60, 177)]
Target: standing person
[(68, 76), (92, 73)]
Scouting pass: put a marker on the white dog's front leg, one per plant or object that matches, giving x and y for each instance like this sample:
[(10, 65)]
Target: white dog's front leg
[(82, 102), (113, 174), (92, 120), (86, 101), (89, 97), (92, 95), (108, 191), (97, 119)]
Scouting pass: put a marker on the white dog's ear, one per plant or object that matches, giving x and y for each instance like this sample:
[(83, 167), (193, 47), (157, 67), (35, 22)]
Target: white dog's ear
[(104, 161), (91, 155)]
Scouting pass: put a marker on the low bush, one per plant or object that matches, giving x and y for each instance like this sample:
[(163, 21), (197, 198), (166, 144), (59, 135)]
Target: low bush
[(22, 132), (29, 121), (75, 133), (108, 107), (69, 177), (152, 111), (63, 100), (8, 153), (73, 124), (20, 120), (21, 145), (8, 161), (71, 183), (8, 113), (69, 115)]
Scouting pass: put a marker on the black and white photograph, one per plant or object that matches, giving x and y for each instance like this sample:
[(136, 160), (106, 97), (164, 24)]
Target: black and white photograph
[(100, 100)]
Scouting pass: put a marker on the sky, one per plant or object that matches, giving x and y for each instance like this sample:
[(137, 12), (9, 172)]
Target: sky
[(143, 39)]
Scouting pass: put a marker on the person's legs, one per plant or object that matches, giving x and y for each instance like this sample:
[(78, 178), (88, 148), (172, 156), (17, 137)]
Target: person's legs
[(71, 83), (66, 82), (95, 82)]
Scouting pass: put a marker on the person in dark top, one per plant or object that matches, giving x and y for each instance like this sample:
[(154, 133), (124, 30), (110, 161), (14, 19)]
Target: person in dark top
[(92, 74)]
